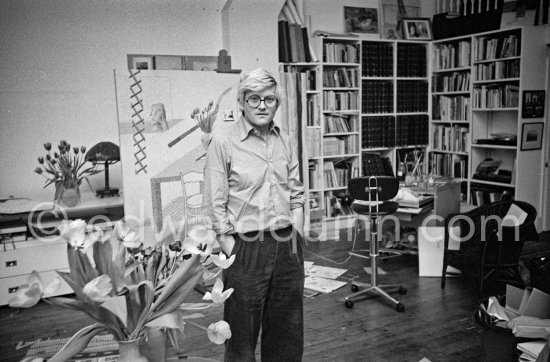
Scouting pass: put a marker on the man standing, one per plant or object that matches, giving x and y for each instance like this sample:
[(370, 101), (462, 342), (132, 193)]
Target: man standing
[(256, 206)]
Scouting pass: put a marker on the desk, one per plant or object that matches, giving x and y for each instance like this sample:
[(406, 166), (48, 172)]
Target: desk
[(446, 201)]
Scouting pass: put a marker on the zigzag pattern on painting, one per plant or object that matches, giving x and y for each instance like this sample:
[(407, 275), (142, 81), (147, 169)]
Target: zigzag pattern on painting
[(138, 123)]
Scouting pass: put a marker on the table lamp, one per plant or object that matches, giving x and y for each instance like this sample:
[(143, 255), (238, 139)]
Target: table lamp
[(106, 153)]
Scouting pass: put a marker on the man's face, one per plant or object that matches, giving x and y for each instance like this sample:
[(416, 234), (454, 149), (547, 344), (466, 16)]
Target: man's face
[(261, 116)]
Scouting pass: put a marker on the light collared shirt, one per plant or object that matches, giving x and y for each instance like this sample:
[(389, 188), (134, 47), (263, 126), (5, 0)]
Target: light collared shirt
[(251, 183)]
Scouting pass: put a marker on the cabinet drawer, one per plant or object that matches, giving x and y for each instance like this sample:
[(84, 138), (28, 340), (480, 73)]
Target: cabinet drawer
[(42, 256), (8, 286)]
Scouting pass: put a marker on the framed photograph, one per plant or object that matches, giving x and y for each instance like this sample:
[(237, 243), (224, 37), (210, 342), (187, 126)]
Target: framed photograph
[(417, 29), (142, 63), (531, 136), (361, 20), (533, 104), (390, 17)]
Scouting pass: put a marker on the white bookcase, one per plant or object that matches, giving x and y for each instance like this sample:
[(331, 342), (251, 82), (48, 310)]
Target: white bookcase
[(495, 69)]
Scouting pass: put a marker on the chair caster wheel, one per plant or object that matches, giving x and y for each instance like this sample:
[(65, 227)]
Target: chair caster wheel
[(348, 303), (402, 290), (354, 288), (399, 307)]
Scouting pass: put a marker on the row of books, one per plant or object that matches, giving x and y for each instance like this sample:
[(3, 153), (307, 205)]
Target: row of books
[(496, 96), (497, 70), (337, 124), (336, 204), (340, 100), (293, 43), (453, 55), (455, 82), (313, 146), (412, 130), (448, 165), (388, 131), (446, 138), (315, 175), (487, 48), (340, 53), (377, 96), (377, 132), (334, 146), (412, 96), (377, 59), (341, 77), (313, 110), (316, 210), (311, 79), (376, 165), (481, 195), (338, 174), (411, 60), (456, 108)]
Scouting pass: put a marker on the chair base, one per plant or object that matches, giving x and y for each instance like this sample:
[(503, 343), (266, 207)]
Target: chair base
[(376, 290)]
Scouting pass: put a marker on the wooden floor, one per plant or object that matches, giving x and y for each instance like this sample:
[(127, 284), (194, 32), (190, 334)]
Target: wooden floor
[(437, 324)]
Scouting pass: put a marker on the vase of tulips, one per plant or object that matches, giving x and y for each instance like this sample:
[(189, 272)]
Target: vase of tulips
[(65, 168), (135, 289)]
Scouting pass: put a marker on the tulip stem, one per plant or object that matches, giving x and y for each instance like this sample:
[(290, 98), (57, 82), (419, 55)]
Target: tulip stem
[(197, 325)]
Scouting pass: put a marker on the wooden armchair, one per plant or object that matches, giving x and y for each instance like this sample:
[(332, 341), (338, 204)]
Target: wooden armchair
[(487, 248)]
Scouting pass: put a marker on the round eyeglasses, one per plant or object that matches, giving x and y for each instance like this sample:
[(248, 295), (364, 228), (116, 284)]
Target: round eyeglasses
[(269, 101)]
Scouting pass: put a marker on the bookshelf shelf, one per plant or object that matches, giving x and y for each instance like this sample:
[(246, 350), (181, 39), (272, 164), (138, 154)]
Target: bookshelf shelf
[(502, 147), (506, 109), (492, 81), (496, 60), (452, 70), (340, 134), (450, 152), (493, 183), (453, 93)]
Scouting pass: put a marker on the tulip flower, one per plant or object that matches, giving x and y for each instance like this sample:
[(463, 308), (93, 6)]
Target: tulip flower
[(218, 296), (200, 240), (219, 332), (222, 261), (98, 289)]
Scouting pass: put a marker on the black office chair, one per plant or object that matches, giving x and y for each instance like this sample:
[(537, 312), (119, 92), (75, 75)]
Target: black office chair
[(371, 195)]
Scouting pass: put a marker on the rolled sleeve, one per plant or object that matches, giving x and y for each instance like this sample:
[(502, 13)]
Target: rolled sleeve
[(297, 197), (216, 186)]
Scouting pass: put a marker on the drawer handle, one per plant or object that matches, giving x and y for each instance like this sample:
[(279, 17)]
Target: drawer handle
[(11, 263), (12, 290)]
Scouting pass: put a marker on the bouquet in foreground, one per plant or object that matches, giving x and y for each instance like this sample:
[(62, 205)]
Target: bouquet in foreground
[(135, 289)]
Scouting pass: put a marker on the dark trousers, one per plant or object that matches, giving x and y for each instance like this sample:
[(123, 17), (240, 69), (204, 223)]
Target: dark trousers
[(268, 282)]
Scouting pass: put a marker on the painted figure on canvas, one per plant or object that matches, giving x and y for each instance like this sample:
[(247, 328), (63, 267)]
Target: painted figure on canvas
[(252, 184)]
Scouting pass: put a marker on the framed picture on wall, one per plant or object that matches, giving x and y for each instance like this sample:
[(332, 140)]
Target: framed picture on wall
[(531, 136), (417, 29), (392, 12), (533, 104), (361, 20), (142, 62)]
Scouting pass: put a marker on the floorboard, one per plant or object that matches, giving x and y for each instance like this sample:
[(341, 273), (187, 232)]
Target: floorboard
[(437, 324)]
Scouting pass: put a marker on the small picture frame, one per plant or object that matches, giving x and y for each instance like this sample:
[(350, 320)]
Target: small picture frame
[(361, 20), (417, 29), (531, 136), (533, 104), (142, 63)]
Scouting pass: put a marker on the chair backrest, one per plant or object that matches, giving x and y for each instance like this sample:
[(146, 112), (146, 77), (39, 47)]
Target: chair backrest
[(192, 184), (499, 244), (385, 186)]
